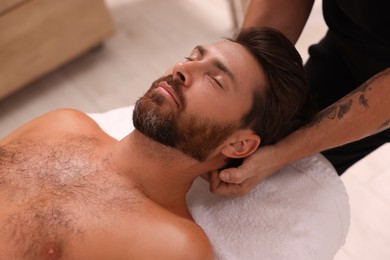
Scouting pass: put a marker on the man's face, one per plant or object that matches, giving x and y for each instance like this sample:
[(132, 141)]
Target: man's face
[(200, 102)]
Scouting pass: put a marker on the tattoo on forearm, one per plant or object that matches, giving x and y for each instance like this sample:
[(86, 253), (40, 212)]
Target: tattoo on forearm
[(362, 90), (344, 108), (337, 110), (363, 101), (367, 85), (329, 113)]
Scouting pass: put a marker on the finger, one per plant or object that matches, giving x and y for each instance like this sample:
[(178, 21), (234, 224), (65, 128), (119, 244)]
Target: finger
[(230, 189), (217, 186), (233, 175), (214, 181)]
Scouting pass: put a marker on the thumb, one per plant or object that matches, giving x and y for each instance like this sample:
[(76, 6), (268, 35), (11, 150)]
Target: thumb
[(232, 175)]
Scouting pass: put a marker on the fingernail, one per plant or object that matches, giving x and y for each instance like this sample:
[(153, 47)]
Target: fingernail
[(225, 176)]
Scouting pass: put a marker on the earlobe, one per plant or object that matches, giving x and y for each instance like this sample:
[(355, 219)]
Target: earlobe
[(241, 148)]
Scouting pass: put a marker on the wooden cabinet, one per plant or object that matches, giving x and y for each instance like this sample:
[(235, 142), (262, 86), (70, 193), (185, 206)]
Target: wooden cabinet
[(37, 36)]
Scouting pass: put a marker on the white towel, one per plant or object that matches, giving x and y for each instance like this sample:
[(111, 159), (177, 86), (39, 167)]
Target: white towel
[(299, 213)]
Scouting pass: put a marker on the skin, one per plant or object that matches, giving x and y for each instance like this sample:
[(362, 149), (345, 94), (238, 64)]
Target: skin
[(289, 17), (133, 204), (361, 113)]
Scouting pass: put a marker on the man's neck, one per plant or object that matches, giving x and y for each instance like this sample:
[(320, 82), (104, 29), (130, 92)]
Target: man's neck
[(163, 174)]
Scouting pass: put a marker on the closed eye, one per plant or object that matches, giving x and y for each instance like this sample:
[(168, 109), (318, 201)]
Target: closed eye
[(212, 78), (217, 82)]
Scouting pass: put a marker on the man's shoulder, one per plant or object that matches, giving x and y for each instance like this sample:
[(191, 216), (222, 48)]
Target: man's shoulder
[(152, 236), (65, 120), (181, 239), (166, 235), (54, 123)]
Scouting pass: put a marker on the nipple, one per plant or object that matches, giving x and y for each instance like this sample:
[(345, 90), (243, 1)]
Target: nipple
[(51, 251)]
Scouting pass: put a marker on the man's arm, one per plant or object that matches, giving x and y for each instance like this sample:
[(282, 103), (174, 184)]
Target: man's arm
[(287, 16), (361, 113)]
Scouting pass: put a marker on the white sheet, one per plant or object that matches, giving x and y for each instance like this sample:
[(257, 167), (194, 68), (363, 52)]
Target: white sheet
[(299, 213)]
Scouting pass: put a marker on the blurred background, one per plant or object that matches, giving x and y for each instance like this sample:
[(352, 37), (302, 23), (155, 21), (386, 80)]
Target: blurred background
[(95, 55)]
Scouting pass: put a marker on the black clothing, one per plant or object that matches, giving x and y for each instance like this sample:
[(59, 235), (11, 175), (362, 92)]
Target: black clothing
[(355, 48)]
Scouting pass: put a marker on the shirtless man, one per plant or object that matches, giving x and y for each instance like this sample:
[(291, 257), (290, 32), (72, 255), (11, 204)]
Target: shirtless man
[(70, 191)]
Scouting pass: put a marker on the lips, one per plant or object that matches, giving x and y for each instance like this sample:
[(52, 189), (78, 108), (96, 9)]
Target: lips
[(167, 91)]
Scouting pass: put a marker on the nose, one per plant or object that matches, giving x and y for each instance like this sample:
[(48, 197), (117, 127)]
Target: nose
[(181, 73)]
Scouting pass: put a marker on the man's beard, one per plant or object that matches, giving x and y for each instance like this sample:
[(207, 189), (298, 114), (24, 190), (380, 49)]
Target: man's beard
[(194, 135)]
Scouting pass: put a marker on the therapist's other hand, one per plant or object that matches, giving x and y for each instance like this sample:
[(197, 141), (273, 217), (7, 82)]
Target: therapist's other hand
[(239, 181)]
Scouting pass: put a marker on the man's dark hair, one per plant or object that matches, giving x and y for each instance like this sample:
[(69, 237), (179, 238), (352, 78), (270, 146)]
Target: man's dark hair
[(283, 105)]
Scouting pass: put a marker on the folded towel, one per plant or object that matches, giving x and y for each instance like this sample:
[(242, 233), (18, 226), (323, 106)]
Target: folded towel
[(301, 212)]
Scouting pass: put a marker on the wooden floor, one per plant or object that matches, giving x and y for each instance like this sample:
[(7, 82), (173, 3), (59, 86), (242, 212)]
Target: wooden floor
[(152, 35)]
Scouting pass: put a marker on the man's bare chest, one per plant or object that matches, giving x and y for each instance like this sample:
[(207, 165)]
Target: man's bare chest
[(52, 195)]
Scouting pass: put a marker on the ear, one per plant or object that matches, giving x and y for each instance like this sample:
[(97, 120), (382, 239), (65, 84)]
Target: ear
[(242, 144)]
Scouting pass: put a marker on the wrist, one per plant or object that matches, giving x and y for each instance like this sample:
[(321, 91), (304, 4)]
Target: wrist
[(294, 147)]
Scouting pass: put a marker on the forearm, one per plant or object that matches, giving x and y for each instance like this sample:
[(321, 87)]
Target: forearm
[(287, 16), (361, 113)]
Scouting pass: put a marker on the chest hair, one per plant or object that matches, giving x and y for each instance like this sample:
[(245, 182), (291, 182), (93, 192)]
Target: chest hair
[(52, 189)]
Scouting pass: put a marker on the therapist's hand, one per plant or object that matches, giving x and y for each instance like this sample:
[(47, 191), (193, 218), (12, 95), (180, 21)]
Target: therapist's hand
[(239, 181)]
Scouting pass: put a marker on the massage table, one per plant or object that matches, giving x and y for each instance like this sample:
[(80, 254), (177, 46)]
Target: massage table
[(299, 213)]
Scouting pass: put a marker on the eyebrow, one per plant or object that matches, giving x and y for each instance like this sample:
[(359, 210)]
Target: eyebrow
[(217, 63)]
